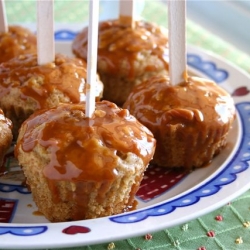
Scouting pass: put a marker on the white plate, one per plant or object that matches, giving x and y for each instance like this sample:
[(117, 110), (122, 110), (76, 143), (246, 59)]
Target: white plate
[(159, 206)]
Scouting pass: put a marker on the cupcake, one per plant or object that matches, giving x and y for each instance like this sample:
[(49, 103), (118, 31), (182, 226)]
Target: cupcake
[(26, 86), (5, 135), (190, 121), (17, 41), (83, 168), (126, 56)]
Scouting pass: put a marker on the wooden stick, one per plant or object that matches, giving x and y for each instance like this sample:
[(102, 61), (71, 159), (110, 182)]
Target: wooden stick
[(177, 40), (45, 32), (92, 57), (127, 12), (3, 18)]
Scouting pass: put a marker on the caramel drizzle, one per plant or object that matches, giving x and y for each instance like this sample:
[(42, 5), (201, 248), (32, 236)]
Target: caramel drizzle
[(80, 148)]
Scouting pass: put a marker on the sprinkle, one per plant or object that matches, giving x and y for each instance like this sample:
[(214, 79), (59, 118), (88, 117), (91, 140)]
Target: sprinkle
[(239, 240), (148, 237), (211, 234), (111, 245), (246, 224), (219, 218), (201, 248), (184, 227)]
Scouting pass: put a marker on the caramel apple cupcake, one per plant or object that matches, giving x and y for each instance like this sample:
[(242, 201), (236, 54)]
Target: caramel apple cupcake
[(5, 135), (26, 86), (190, 121), (83, 168), (17, 41), (126, 56)]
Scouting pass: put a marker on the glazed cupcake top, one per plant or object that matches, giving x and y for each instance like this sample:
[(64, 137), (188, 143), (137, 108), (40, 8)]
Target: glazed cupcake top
[(38, 82), (118, 41), (195, 104), (82, 148), (17, 41)]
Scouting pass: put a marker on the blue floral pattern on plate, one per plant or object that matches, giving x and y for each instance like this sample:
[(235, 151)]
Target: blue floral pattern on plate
[(6, 188), (65, 35), (207, 67), (23, 231)]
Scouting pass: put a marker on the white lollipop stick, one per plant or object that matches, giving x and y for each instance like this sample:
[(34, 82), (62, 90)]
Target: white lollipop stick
[(177, 40), (45, 32), (3, 19), (127, 12), (92, 57)]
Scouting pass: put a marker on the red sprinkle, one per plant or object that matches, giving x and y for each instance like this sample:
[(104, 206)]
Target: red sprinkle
[(148, 237), (201, 248), (211, 234), (219, 218)]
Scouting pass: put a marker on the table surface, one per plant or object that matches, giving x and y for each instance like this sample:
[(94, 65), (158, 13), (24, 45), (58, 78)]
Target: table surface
[(229, 223)]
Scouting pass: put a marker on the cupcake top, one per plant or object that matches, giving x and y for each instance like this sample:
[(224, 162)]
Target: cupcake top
[(195, 104), (118, 41), (39, 82), (81, 148), (17, 41)]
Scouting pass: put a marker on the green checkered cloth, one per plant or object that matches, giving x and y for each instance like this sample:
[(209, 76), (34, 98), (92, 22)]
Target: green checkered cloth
[(226, 228)]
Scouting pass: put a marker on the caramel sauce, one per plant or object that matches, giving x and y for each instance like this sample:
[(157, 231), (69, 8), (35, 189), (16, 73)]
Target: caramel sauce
[(17, 41), (119, 41), (82, 148), (39, 82), (131, 207), (127, 21), (38, 213), (197, 105)]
